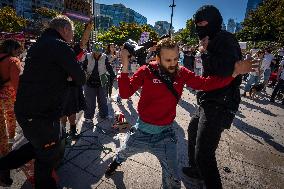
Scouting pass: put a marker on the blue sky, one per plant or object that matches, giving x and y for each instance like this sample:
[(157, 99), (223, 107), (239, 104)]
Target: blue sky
[(159, 10)]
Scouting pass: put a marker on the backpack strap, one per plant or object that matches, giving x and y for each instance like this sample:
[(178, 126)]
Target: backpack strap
[(169, 84)]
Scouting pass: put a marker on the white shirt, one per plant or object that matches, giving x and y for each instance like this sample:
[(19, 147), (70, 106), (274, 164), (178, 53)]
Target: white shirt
[(198, 60), (266, 61)]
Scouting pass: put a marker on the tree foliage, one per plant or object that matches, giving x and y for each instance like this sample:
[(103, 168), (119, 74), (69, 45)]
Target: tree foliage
[(46, 12), (266, 23), (79, 30), (188, 34), (10, 22), (125, 31)]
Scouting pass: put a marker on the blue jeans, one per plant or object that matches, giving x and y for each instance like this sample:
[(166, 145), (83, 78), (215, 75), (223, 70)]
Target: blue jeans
[(162, 145), (266, 74), (251, 80)]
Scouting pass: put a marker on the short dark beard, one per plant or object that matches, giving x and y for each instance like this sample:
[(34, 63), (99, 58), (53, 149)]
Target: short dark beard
[(166, 71)]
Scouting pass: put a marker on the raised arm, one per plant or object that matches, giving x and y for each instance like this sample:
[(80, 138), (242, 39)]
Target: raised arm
[(128, 86), (215, 82)]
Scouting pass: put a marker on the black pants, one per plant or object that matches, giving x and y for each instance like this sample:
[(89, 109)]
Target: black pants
[(110, 86), (39, 133), (204, 133), (280, 85)]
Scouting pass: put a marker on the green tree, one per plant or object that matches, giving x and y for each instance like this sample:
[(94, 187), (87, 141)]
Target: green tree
[(10, 22), (79, 28), (188, 34), (46, 12), (125, 31), (266, 23)]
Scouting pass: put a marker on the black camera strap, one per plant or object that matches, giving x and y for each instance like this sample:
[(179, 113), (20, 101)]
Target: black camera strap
[(168, 83)]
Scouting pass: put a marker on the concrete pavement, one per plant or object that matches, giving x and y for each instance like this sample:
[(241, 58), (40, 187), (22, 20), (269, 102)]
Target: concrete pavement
[(250, 154)]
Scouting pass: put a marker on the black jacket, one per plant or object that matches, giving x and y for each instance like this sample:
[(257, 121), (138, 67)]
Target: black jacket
[(94, 81), (188, 61), (223, 52), (50, 61)]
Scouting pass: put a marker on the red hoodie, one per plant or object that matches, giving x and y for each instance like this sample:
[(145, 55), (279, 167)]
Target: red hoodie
[(157, 104)]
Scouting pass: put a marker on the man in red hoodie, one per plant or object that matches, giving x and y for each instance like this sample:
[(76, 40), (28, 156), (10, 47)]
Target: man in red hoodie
[(162, 83)]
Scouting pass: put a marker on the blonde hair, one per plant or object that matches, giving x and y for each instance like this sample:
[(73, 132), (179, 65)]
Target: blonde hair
[(60, 22)]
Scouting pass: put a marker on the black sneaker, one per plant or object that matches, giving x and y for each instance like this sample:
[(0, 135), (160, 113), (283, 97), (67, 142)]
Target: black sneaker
[(191, 172), (5, 179), (272, 100), (111, 168)]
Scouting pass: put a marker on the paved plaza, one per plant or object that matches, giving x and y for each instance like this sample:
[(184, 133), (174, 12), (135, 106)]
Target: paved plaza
[(250, 154)]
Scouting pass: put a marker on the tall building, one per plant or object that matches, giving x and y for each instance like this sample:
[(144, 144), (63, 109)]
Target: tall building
[(26, 8), (238, 27), (231, 25), (223, 26), (4, 3), (252, 5), (162, 27), (109, 15)]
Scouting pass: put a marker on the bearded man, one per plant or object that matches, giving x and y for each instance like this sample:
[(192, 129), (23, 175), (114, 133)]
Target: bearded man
[(162, 84)]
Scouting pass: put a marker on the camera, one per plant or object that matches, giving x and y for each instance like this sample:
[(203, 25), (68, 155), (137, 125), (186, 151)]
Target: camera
[(139, 51)]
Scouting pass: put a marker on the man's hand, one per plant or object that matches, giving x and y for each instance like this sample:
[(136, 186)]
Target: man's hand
[(244, 66), (125, 60), (203, 44)]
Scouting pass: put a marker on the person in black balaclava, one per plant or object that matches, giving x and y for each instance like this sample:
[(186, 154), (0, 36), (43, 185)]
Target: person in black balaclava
[(220, 50)]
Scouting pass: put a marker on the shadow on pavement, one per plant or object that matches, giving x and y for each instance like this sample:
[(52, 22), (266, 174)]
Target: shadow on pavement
[(118, 180), (248, 129), (85, 162), (131, 116), (263, 110)]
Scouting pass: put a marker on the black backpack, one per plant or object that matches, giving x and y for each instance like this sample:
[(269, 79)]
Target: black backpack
[(2, 82)]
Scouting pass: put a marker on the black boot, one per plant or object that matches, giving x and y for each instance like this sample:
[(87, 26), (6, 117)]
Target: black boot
[(111, 168), (5, 179), (73, 132), (191, 172)]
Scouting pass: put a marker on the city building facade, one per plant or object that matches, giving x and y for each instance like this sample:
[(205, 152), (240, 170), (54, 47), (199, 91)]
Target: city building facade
[(252, 5), (238, 27), (4, 3), (25, 8), (231, 25), (162, 27), (111, 15)]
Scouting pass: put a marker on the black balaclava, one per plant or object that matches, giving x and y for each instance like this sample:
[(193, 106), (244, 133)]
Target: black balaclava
[(212, 15)]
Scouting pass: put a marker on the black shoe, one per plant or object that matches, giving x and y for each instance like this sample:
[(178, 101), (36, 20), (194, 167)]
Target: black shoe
[(73, 132), (5, 179), (191, 172), (111, 168), (272, 100)]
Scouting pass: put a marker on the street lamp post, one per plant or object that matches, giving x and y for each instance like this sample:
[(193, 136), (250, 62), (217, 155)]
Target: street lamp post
[(172, 6)]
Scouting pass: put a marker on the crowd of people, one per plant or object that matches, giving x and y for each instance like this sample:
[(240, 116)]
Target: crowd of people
[(61, 78)]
